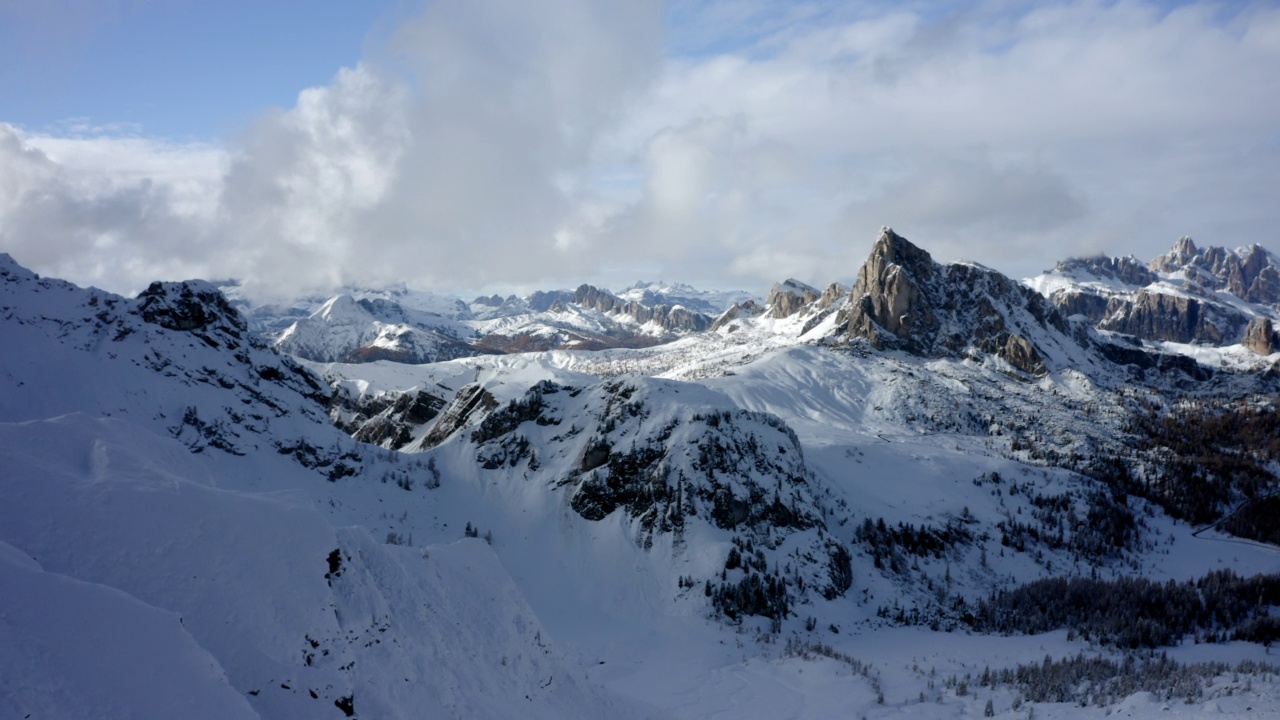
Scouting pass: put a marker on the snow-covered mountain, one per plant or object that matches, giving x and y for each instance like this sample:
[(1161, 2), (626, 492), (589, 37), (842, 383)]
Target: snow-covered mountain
[(349, 330), (1189, 296), (184, 534), (403, 325), (707, 302), (888, 500)]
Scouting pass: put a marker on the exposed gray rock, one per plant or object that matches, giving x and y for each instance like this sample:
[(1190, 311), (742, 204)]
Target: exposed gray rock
[(190, 306), (832, 295), (748, 309), (672, 318), (1128, 270), (467, 408), (904, 300), (1196, 313), (1171, 318), (1079, 302), (1260, 336), (789, 297), (1250, 274)]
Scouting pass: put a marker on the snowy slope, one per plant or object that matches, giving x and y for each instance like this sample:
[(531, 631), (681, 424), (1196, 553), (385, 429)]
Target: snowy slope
[(182, 480), (168, 471), (346, 329), (709, 302)]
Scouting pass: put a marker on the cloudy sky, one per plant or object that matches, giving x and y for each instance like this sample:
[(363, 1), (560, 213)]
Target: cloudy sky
[(465, 145)]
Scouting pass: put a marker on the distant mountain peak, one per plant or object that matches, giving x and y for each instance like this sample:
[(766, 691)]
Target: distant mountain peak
[(189, 305), (1251, 274), (893, 249), (904, 300)]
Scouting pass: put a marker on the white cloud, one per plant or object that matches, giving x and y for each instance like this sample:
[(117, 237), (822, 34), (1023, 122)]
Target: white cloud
[(513, 145)]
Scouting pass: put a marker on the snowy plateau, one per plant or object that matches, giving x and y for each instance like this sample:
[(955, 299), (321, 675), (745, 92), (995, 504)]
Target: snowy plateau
[(935, 493)]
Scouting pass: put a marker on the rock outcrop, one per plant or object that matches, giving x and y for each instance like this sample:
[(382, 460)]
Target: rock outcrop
[(190, 306), (672, 318), (789, 298), (468, 407), (1128, 270), (1261, 337), (1251, 274), (742, 310), (387, 421), (904, 300), (1179, 297), (1164, 317)]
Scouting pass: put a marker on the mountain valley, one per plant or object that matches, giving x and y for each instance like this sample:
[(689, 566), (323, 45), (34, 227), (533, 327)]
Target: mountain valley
[(933, 492)]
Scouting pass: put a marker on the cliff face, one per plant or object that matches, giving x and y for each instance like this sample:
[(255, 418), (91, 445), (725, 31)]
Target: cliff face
[(1181, 296), (672, 318), (1171, 318), (1261, 337), (790, 297), (741, 310), (1250, 274), (904, 300), (1128, 270)]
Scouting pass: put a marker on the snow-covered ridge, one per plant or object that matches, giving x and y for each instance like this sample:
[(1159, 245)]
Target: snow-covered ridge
[(1211, 296), (772, 536), (403, 325), (185, 532)]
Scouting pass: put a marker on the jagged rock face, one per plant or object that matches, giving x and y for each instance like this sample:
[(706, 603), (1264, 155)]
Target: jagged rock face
[(1169, 318), (666, 456), (190, 305), (386, 421), (748, 309), (1177, 298), (831, 295), (790, 297), (1127, 269), (1260, 336), (468, 407), (904, 300), (596, 299), (888, 296), (1250, 274), (670, 318), (543, 301), (1075, 302)]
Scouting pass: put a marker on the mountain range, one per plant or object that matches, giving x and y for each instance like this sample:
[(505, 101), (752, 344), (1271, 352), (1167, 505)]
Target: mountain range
[(934, 492)]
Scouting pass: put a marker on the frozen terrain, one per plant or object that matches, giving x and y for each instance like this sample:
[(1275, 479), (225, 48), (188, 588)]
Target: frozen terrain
[(185, 533)]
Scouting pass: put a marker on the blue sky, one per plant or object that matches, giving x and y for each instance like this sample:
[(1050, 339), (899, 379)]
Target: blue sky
[(179, 69), (468, 145)]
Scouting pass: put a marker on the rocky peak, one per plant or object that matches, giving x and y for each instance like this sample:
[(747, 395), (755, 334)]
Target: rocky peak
[(1181, 255), (904, 300), (1251, 274), (1260, 336), (542, 301), (789, 297), (1128, 270), (193, 305), (831, 295), (887, 298), (747, 309), (594, 298), (673, 318)]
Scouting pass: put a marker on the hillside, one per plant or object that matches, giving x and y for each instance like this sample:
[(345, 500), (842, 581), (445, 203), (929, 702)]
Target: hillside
[(827, 502)]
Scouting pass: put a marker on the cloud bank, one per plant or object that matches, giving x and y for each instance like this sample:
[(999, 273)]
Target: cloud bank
[(498, 145)]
